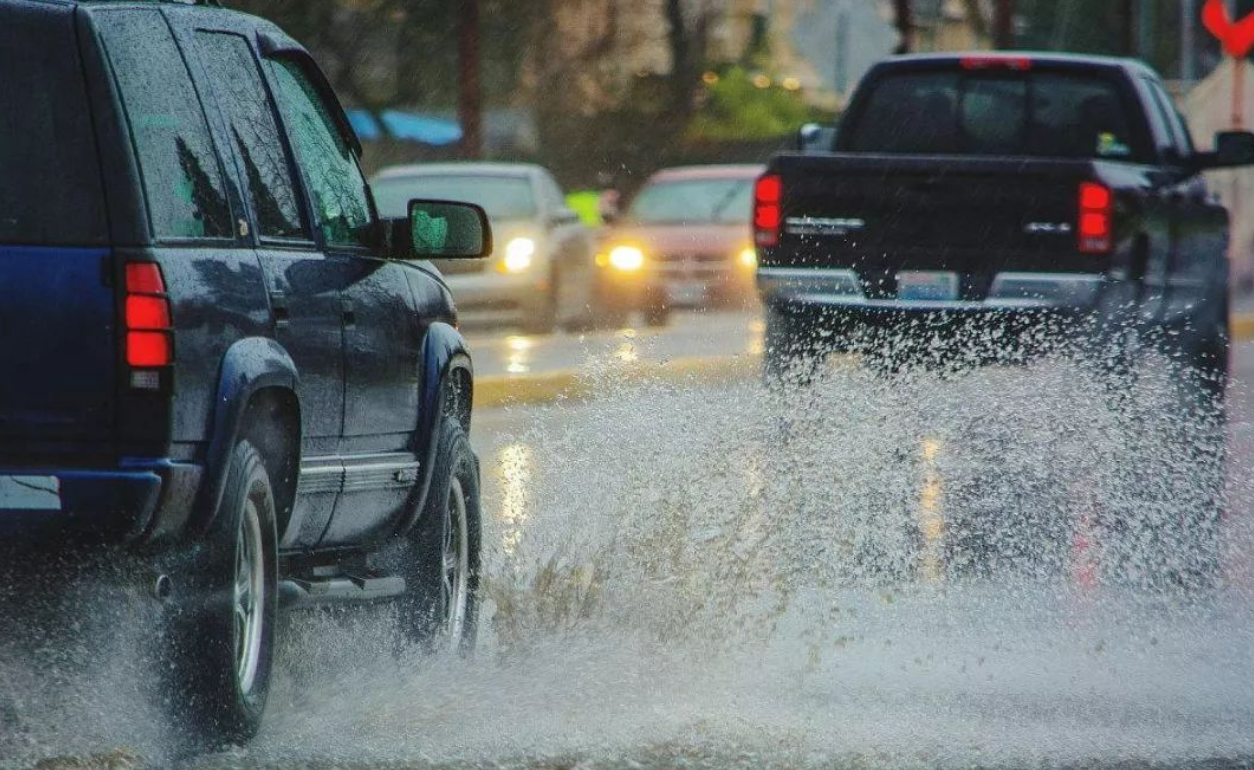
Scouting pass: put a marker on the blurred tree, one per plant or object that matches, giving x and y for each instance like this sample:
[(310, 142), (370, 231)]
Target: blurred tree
[(740, 109)]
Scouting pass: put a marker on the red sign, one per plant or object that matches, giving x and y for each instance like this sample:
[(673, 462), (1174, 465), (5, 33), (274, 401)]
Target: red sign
[(1237, 36)]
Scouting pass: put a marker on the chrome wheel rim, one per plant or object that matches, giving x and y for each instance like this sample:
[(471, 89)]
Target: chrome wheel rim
[(248, 597), (455, 564)]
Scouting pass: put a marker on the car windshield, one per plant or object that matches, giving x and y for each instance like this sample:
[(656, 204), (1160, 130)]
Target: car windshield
[(721, 201), (503, 197)]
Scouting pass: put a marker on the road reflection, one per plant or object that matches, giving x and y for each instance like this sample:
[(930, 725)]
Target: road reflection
[(512, 473)]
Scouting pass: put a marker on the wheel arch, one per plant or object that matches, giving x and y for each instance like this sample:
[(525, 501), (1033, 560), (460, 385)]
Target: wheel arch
[(447, 391), (257, 381)]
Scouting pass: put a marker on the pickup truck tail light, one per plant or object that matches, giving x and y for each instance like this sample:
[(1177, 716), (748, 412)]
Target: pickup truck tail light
[(149, 330), (768, 212), (1095, 230)]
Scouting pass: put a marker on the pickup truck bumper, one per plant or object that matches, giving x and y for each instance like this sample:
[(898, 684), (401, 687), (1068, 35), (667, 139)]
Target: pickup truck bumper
[(138, 502), (840, 289)]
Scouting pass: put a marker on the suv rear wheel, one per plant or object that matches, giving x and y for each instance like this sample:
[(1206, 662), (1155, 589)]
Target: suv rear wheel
[(222, 630)]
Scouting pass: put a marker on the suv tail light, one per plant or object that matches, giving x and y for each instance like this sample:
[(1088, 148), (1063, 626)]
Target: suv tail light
[(768, 212), (1095, 230), (149, 343)]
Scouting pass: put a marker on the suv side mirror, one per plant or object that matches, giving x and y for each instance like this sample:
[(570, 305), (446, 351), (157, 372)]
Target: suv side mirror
[(440, 230), (1232, 148)]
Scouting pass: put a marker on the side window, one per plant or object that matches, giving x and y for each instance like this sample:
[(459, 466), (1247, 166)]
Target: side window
[(241, 95), (1164, 136), (552, 193), (1179, 129), (336, 187), (181, 176)]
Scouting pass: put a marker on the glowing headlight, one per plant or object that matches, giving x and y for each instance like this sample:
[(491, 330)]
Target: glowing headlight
[(626, 258), (519, 254), (748, 257)]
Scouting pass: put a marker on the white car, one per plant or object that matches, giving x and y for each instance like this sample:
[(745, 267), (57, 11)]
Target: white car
[(542, 273)]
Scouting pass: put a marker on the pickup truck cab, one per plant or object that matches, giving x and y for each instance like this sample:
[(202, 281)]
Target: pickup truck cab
[(217, 357), (1014, 189)]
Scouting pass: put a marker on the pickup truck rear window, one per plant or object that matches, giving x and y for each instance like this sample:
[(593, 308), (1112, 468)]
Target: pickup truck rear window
[(50, 187), (1042, 114)]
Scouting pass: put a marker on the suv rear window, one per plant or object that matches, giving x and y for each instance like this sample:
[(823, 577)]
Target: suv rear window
[(1046, 114), (50, 188)]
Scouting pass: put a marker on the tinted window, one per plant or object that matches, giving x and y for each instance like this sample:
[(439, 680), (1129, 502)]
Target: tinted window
[(503, 197), (1179, 130), (240, 94), (1038, 114), (335, 183), (182, 179), (49, 177), (700, 200)]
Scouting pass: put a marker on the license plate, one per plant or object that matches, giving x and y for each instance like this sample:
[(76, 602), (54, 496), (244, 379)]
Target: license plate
[(686, 292), (936, 285), (30, 493)]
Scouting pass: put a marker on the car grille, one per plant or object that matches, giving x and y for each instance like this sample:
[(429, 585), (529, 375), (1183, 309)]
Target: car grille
[(694, 265)]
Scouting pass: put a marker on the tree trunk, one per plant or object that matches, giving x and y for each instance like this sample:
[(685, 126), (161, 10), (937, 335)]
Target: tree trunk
[(681, 56), (905, 26), (1004, 25), (469, 102)]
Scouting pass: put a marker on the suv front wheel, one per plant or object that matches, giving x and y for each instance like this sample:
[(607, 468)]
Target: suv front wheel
[(439, 556)]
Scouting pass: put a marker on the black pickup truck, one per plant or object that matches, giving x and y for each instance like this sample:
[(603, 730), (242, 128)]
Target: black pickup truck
[(1012, 189)]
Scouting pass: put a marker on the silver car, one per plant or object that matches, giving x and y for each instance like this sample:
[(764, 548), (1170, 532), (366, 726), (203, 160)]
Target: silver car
[(542, 273)]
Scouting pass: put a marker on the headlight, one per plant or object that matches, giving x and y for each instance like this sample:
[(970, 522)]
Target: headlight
[(748, 257), (519, 254), (626, 258)]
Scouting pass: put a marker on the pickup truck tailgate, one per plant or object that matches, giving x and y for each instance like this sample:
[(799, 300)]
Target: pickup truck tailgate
[(974, 216)]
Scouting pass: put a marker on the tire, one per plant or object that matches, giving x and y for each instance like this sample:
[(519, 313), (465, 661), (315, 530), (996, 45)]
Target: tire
[(222, 623), (542, 319), (791, 353), (657, 311), (439, 557)]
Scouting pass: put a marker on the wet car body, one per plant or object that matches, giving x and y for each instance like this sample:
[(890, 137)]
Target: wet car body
[(699, 256), (1095, 212), (232, 370), (543, 275)]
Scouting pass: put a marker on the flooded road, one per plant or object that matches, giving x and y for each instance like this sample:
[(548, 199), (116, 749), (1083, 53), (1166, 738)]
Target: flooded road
[(977, 569)]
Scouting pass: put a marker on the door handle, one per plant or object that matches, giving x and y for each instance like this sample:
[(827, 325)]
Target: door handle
[(279, 310), (350, 314)]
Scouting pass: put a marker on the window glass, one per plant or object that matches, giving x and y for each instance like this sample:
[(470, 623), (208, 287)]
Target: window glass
[(994, 115), (182, 179), (1179, 130), (911, 114), (554, 199), (240, 94), (50, 191), (332, 177), (1038, 114), (503, 197), (696, 200)]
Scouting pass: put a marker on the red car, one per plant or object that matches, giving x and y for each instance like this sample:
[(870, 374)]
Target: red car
[(689, 228)]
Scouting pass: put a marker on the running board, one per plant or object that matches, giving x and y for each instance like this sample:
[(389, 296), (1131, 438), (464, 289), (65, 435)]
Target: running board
[(295, 592)]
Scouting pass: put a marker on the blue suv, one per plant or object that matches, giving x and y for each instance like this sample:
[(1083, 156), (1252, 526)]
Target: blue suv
[(216, 354)]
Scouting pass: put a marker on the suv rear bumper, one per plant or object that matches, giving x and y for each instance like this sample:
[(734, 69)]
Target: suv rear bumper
[(841, 289), (139, 502)]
